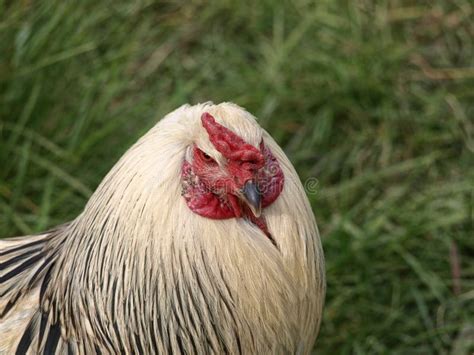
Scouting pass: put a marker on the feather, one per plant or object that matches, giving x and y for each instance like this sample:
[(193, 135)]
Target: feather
[(138, 272)]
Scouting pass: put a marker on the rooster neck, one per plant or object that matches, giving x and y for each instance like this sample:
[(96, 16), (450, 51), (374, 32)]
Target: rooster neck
[(215, 276)]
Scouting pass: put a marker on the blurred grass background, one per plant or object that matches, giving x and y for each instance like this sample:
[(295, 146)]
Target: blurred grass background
[(373, 98)]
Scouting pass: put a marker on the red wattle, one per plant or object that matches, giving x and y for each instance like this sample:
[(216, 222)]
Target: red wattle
[(270, 179)]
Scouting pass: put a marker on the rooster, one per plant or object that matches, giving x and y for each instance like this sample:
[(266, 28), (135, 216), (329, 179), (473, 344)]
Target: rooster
[(200, 240)]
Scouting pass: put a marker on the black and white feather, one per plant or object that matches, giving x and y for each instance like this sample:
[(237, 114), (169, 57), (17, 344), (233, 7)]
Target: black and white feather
[(139, 273)]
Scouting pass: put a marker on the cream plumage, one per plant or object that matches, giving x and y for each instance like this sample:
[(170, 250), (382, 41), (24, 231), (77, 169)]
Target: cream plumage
[(139, 272)]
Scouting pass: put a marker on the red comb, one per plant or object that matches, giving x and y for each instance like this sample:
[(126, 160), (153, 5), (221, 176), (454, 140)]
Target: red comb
[(229, 144)]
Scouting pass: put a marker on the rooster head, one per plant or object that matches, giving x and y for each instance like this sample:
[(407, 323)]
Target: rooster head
[(242, 181)]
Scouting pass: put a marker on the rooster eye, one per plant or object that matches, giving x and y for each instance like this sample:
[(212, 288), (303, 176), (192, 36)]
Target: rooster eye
[(207, 157)]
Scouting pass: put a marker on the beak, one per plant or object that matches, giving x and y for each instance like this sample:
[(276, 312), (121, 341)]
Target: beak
[(251, 196)]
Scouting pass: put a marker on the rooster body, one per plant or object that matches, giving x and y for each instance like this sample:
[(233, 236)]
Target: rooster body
[(149, 268)]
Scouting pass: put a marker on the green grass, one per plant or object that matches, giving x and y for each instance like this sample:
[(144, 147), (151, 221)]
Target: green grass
[(373, 98)]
